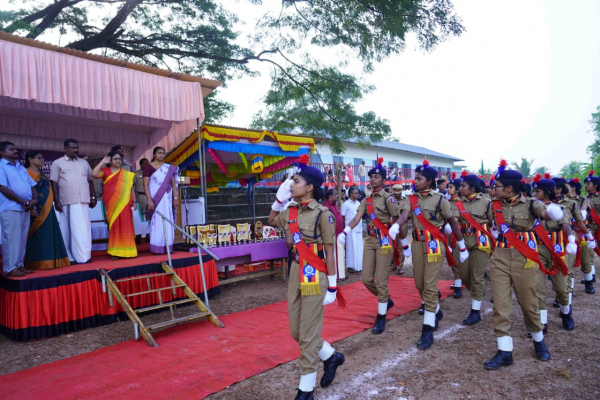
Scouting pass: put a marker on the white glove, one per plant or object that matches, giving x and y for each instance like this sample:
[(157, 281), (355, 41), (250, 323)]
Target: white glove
[(584, 215), (394, 231), (555, 212), (591, 242), (342, 236), (464, 254), (448, 229), (277, 206), (331, 291), (495, 232), (572, 246), (405, 248), (284, 192)]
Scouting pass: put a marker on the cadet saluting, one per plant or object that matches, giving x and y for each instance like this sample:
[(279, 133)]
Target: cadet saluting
[(312, 282)]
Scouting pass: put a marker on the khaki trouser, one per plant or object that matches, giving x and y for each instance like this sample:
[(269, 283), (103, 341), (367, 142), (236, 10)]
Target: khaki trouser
[(560, 283), (456, 256), (142, 203), (507, 270), (305, 315), (587, 260), (472, 271), (402, 258), (426, 274), (540, 286), (376, 269)]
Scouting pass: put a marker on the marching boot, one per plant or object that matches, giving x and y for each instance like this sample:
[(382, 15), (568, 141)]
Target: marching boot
[(426, 339), (440, 294), (567, 319), (457, 293), (304, 395), (556, 304), (438, 317), (541, 351), (330, 366), (501, 359), (390, 303), (379, 324), (422, 309), (473, 318), (589, 287)]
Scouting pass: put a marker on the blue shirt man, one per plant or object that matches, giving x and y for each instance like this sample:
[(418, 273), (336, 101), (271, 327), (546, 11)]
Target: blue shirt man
[(15, 177)]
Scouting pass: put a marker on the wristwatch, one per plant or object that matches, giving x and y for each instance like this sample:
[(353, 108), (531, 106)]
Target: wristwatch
[(93, 198), (26, 204)]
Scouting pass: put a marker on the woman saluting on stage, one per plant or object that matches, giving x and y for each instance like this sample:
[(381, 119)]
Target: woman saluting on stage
[(312, 282)]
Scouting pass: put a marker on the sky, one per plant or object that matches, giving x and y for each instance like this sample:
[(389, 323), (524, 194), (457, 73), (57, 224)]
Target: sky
[(522, 81)]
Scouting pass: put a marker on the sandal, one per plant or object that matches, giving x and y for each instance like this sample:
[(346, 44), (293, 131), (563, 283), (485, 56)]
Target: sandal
[(25, 270), (393, 268), (114, 258), (399, 272), (16, 273)]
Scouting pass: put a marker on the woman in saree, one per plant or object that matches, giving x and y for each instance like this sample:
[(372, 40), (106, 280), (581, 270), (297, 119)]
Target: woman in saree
[(118, 197), (45, 245), (161, 191)]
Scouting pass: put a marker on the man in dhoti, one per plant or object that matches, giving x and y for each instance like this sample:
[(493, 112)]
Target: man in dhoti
[(74, 194), (354, 241)]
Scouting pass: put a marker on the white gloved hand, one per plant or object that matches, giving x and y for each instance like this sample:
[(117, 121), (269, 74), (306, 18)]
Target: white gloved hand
[(495, 232), (284, 192), (405, 248), (394, 231), (572, 246), (448, 229), (464, 253), (342, 236), (584, 214), (331, 291), (555, 212), (277, 206), (591, 242)]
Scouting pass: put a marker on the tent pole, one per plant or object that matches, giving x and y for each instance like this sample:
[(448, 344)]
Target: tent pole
[(205, 179), (200, 165)]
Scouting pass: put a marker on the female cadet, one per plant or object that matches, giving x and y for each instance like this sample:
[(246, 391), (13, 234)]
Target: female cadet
[(429, 212), (592, 184), (587, 256), (515, 263), (378, 247), (312, 282), (552, 253), (476, 217), (452, 191)]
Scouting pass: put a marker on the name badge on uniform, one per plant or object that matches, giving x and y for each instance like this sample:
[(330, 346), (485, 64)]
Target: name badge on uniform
[(504, 228), (296, 238)]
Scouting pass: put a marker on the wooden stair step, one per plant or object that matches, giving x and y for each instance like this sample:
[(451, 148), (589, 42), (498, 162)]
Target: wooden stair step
[(177, 321), (143, 277), (155, 290), (164, 305)]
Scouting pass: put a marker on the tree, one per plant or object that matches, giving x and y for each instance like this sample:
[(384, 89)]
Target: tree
[(594, 148), (199, 37), (524, 167), (571, 170), (541, 170)]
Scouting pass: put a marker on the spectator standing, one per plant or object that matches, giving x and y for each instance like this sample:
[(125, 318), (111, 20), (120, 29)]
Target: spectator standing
[(17, 198), (349, 172), (340, 256), (74, 194), (127, 165), (362, 172), (141, 223), (354, 243)]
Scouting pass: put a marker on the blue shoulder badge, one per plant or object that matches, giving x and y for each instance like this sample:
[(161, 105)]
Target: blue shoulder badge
[(331, 219), (393, 200)]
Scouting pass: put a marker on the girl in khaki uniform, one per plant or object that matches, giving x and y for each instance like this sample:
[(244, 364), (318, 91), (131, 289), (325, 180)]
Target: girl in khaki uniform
[(453, 197), (586, 253), (312, 283)]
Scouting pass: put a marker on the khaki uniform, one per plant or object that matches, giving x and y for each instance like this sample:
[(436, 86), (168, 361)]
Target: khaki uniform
[(305, 313), (507, 270), (402, 205), (455, 250), (437, 210), (376, 266), (140, 195), (587, 254)]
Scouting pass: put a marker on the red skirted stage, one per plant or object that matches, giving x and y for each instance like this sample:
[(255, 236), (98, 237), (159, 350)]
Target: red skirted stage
[(50, 303)]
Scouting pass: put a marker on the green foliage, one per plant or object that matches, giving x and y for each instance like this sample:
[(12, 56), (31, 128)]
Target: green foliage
[(571, 170), (594, 148), (199, 37), (524, 167), (541, 170)]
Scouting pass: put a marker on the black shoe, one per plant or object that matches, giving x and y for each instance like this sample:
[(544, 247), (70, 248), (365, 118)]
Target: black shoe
[(452, 286), (304, 395), (379, 324), (501, 359), (583, 281), (422, 309), (330, 366), (492, 300), (485, 275), (439, 295), (541, 351), (589, 287), (567, 320), (457, 293), (544, 331), (390, 303), (556, 304), (426, 339), (473, 318), (593, 280), (438, 317)]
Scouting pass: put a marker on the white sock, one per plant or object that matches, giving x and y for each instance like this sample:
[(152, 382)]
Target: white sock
[(307, 382), (538, 336), (588, 277), (476, 305), (570, 298), (565, 309), (593, 270), (422, 302), (326, 351), (458, 283), (437, 308), (429, 319), (544, 316), (382, 308), (505, 343)]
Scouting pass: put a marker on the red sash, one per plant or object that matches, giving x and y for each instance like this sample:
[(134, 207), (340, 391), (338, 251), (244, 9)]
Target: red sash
[(596, 219), (514, 241), (435, 232), (466, 215), (557, 258), (380, 225)]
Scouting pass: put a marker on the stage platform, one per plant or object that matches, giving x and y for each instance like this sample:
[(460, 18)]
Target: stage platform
[(52, 302)]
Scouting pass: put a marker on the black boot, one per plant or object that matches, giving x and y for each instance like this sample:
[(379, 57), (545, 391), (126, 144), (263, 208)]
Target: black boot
[(379, 324), (438, 317), (589, 287), (452, 286), (304, 395), (593, 279), (541, 351), (473, 318), (330, 366), (422, 309), (492, 300), (556, 304), (439, 295), (390, 303), (567, 319), (457, 293), (426, 339), (501, 359)]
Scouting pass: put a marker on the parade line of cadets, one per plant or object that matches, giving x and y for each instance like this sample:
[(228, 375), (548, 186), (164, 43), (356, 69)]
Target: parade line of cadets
[(525, 232)]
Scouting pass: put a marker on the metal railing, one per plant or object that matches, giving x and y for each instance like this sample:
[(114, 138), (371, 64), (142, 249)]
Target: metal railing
[(198, 245)]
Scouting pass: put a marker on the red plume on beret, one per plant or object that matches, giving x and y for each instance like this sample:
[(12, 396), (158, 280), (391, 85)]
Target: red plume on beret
[(537, 178), (380, 160), (502, 166), (575, 180), (425, 163), (523, 181), (464, 173), (303, 161), (547, 175), (591, 173), (453, 175)]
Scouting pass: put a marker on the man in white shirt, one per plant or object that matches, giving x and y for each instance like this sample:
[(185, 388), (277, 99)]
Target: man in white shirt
[(354, 241), (362, 172)]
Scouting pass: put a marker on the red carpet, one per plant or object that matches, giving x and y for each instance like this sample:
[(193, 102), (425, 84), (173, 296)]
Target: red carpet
[(198, 359)]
